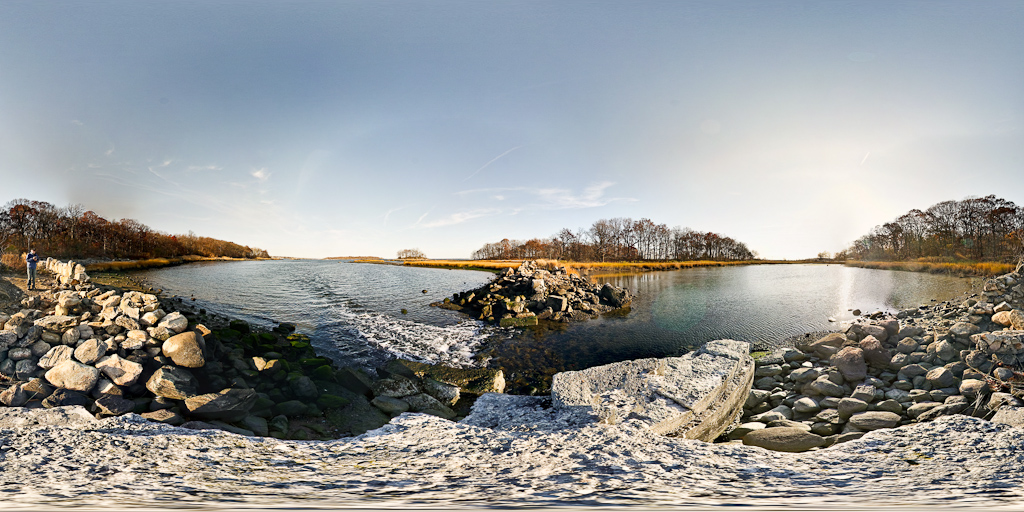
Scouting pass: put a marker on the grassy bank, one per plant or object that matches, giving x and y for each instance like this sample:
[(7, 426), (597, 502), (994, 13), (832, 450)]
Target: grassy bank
[(578, 267), (118, 266), (959, 268)]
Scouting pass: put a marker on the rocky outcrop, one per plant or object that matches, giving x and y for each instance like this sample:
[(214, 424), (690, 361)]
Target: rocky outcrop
[(696, 396), (528, 294)]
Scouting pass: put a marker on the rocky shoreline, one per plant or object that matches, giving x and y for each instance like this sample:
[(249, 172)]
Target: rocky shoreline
[(956, 357), (509, 450), (116, 352)]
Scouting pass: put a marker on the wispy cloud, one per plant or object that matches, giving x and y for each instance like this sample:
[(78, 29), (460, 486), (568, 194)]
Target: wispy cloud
[(197, 168), (261, 174), (109, 151), (592, 196), (393, 210), (76, 122), (495, 159), (460, 217)]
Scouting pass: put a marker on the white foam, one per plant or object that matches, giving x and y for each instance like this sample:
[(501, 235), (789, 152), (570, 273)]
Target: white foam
[(453, 345)]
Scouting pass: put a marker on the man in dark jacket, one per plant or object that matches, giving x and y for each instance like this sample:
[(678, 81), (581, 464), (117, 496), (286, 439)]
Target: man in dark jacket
[(31, 259)]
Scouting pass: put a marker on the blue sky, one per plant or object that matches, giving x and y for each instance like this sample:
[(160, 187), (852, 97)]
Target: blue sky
[(365, 127)]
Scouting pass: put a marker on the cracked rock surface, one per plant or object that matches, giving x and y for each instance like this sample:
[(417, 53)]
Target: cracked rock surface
[(512, 451)]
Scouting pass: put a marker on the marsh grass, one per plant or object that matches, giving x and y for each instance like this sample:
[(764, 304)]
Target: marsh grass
[(120, 266), (12, 262), (956, 268), (581, 267)]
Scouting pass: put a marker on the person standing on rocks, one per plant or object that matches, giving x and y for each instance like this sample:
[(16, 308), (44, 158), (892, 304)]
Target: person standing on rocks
[(31, 260)]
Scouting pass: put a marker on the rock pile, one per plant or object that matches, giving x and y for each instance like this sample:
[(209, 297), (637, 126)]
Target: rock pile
[(116, 353), (67, 273), (528, 294), (952, 358)]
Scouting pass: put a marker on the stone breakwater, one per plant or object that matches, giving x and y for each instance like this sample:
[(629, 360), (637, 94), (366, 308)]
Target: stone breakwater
[(952, 358), (523, 296), (116, 352)]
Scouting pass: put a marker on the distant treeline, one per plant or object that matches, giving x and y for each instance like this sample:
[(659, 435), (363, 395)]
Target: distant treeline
[(72, 232), (977, 228), (621, 239)]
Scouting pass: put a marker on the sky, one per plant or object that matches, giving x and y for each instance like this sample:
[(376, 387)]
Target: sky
[(344, 128)]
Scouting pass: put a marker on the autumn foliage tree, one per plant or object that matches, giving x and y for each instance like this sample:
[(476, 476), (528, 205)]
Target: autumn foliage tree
[(621, 239), (977, 228), (72, 232)]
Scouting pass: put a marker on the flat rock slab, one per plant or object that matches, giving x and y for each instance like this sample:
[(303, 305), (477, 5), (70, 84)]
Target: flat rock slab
[(695, 396)]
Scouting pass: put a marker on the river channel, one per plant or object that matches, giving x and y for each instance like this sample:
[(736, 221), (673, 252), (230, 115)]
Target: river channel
[(361, 314)]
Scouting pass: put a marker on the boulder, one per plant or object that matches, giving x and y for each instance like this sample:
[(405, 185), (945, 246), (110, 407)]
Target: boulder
[(113, 405), (14, 396), (444, 393), (1017, 319), (228, 405), (823, 386), (91, 350), (172, 382), (940, 377), (57, 324), (874, 420), (73, 375), (850, 362), (122, 372), (916, 410), (55, 356), (615, 296), (304, 387), (476, 381), (850, 406), (174, 322), (696, 396), (64, 398), (874, 353), (1002, 318), (784, 439), (971, 388), (164, 416), (390, 405), (185, 349), (429, 405), (825, 346)]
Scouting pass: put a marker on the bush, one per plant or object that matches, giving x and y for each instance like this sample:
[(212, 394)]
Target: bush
[(12, 262)]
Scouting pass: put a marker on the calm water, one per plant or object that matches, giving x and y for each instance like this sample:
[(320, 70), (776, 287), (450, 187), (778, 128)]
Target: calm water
[(353, 311)]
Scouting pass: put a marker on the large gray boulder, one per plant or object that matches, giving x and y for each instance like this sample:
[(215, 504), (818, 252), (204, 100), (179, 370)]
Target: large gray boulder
[(172, 382), (57, 324), (230, 404), (784, 439), (696, 396), (185, 349), (122, 372), (73, 375)]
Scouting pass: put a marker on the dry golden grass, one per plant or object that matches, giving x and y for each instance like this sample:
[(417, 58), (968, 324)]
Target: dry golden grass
[(118, 266), (488, 265), (13, 262), (961, 268), (578, 267)]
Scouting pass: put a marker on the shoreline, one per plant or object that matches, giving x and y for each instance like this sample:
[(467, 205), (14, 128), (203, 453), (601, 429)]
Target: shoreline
[(515, 453)]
